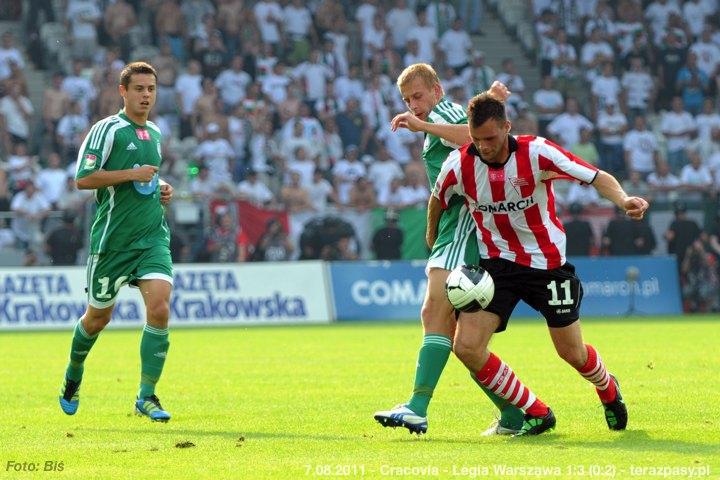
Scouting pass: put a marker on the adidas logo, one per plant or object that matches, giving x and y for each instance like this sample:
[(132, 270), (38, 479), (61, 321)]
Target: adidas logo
[(131, 147), (161, 354)]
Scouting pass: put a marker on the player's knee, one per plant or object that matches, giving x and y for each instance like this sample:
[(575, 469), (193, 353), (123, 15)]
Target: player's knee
[(159, 311), (467, 351), (575, 356), (96, 321)]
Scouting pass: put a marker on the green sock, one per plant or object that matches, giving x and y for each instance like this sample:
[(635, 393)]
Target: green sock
[(432, 358), (81, 345), (510, 415), (153, 350)]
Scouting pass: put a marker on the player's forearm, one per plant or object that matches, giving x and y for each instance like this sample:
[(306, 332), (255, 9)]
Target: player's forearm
[(608, 187), (457, 134), (105, 178), (434, 211)]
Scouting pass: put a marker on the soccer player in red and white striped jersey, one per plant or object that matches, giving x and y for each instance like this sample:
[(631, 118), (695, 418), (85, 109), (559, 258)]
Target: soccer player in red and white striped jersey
[(506, 181)]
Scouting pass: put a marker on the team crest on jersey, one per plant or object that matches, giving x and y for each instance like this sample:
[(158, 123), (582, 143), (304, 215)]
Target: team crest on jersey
[(142, 134), (518, 183), (90, 160)]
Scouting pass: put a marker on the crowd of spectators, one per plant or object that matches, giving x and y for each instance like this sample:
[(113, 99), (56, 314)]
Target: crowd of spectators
[(286, 105)]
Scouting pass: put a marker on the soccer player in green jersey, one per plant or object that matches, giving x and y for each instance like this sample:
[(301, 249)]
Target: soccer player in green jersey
[(454, 243), (129, 238)]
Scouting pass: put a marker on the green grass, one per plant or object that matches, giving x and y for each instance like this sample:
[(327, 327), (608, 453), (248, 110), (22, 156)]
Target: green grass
[(275, 402)]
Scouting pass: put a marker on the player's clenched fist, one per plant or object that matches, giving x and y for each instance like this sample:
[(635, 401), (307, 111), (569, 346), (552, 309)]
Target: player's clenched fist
[(144, 173)]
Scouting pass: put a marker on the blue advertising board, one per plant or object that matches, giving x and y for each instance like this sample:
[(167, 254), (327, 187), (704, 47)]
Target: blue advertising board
[(395, 290)]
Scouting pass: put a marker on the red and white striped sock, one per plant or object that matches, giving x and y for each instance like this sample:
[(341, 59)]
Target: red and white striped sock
[(595, 372), (499, 378)]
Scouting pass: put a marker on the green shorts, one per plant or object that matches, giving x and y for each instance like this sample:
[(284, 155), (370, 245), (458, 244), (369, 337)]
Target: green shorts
[(457, 242), (107, 272)]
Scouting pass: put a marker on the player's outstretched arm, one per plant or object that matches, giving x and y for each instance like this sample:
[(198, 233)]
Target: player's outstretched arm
[(610, 188), (107, 178)]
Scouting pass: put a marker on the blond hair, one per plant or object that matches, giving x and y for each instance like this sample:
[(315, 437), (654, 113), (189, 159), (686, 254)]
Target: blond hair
[(422, 71)]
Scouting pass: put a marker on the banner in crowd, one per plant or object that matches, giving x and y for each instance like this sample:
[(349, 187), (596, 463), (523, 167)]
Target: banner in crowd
[(263, 293), (395, 290), (252, 219)]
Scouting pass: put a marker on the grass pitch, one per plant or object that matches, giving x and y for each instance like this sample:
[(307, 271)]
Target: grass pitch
[(297, 402)]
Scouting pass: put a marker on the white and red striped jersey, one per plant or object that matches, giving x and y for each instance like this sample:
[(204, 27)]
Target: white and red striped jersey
[(513, 204)]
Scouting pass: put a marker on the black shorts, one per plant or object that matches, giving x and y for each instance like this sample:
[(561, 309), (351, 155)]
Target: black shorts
[(556, 294)]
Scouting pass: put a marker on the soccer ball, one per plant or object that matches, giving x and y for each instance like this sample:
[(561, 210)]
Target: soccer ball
[(469, 288)]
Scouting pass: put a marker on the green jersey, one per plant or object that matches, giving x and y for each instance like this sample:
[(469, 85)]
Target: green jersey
[(435, 149), (129, 215)]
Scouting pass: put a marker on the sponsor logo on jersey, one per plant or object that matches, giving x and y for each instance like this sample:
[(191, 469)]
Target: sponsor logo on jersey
[(142, 134), (504, 207), (90, 160), (131, 147)]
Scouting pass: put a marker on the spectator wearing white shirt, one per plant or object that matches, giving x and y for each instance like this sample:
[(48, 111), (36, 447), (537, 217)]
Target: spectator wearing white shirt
[(708, 52), (217, 154), (382, 171), (395, 196), (373, 38), (232, 83), (30, 208), (330, 58), (253, 190), (695, 178), (350, 86), (426, 37), (269, 17), (297, 29), (566, 126), (606, 88), (456, 45), (412, 53), (639, 88), (658, 13), (513, 81), (399, 20), (275, 84), (345, 172), (16, 110), (84, 16), (339, 38), (477, 77), (612, 124), (188, 89), (9, 56), (548, 103), (415, 192), (375, 105), (440, 14), (583, 194), (595, 53), (302, 164), (641, 148), (365, 15), (663, 184), (708, 123), (320, 191), (315, 76), (694, 13), (51, 180), (564, 64), (70, 130), (678, 126)]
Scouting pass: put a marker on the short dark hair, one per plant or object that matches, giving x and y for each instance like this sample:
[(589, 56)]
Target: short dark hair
[(133, 68), (482, 108)]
